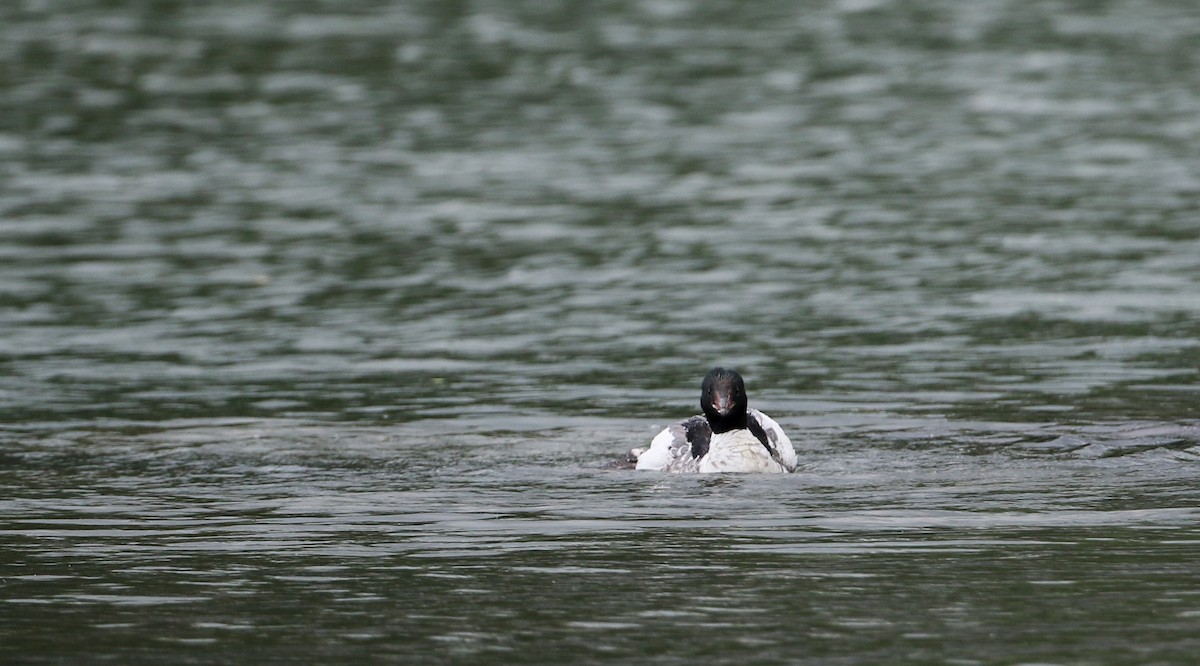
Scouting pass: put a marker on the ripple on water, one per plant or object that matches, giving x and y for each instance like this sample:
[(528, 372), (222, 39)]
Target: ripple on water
[(320, 323)]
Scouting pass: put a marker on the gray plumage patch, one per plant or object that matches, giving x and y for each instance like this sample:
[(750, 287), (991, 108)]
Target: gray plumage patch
[(696, 432)]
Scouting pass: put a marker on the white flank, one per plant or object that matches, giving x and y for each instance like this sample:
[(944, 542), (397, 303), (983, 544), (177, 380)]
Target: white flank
[(739, 451), (659, 456)]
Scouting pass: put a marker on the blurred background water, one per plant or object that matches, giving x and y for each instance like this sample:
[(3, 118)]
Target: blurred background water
[(319, 320)]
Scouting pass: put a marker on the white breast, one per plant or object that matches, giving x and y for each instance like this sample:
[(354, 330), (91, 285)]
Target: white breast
[(738, 451)]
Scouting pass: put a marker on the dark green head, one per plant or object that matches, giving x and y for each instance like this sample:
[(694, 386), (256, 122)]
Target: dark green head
[(723, 400)]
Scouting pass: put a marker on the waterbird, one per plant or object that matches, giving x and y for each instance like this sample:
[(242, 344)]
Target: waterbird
[(728, 437)]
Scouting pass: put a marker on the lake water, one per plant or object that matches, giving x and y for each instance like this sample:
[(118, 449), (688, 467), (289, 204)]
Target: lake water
[(320, 321)]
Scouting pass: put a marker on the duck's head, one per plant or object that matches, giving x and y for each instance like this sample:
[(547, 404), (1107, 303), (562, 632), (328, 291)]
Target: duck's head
[(723, 400)]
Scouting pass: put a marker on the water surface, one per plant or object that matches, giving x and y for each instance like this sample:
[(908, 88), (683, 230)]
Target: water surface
[(320, 322)]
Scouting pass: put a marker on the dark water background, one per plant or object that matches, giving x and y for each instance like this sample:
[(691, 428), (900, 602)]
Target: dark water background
[(318, 321)]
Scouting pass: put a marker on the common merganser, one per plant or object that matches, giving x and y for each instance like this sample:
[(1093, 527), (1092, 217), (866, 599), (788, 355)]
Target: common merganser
[(728, 437)]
